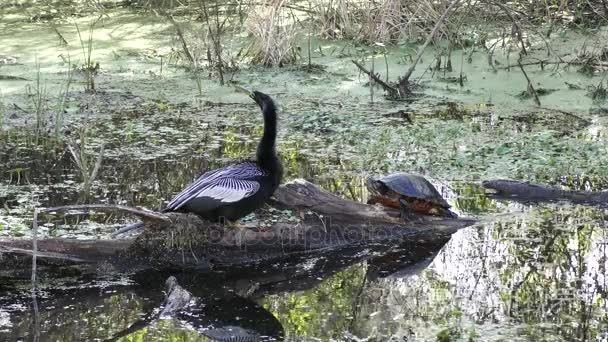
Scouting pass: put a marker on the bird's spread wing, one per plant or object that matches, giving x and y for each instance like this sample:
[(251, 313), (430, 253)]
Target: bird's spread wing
[(228, 184), (230, 189)]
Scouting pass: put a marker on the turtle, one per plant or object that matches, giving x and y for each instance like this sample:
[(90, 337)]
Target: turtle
[(408, 193)]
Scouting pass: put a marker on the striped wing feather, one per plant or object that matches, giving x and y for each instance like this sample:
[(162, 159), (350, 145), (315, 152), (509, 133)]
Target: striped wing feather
[(228, 184)]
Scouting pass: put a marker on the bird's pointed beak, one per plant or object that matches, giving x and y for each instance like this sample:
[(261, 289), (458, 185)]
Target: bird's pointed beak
[(244, 90)]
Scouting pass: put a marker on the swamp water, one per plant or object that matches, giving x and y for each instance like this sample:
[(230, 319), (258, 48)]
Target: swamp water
[(524, 272)]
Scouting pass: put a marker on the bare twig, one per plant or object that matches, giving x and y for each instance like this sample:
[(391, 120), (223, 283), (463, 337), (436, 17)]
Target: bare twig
[(371, 80), (553, 18), (215, 38), (62, 40), (548, 62)]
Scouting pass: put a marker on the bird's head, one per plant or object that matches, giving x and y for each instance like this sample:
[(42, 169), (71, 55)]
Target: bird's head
[(264, 101)]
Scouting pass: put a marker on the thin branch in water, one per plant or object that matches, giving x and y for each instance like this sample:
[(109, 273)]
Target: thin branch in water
[(371, 79), (531, 89), (518, 32), (410, 71), (387, 87), (180, 35)]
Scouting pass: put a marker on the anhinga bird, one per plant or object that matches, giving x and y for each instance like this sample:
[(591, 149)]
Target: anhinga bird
[(234, 191)]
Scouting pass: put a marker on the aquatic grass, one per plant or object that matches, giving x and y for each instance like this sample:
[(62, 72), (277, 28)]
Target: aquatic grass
[(88, 168), (599, 92), (38, 96), (215, 31), (89, 67), (463, 151), (273, 35), (63, 97), (2, 109)]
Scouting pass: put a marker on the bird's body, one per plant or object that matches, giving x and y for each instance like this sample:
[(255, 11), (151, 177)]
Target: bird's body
[(228, 193), (232, 192)]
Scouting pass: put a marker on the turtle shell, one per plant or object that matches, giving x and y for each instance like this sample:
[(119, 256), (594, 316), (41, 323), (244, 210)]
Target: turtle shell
[(408, 185)]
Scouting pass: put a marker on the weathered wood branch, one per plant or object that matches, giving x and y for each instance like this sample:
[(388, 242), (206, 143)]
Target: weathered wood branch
[(140, 212)]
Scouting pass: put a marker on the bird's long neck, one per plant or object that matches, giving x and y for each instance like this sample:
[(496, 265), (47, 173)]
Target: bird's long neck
[(266, 153)]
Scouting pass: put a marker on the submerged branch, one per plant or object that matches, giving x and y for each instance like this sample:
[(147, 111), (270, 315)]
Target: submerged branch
[(569, 114), (387, 87), (531, 89)]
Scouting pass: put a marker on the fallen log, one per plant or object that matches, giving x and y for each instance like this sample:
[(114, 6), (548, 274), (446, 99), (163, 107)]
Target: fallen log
[(309, 220), (527, 192)]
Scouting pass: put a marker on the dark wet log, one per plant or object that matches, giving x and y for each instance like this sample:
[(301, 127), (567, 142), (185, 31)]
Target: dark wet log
[(522, 191), (310, 220)]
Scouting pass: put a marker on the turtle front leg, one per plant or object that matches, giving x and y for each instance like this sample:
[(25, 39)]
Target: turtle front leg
[(406, 212)]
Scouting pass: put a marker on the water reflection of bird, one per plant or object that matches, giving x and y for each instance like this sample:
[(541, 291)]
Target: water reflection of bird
[(236, 190)]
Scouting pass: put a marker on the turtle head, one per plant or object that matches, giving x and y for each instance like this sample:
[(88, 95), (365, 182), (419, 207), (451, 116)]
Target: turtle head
[(375, 186)]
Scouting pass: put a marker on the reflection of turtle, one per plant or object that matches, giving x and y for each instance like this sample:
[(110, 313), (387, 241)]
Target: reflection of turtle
[(409, 193)]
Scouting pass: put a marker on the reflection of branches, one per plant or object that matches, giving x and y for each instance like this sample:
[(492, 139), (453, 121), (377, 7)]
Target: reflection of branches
[(516, 288), (533, 269), (36, 318), (177, 298), (357, 298)]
